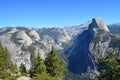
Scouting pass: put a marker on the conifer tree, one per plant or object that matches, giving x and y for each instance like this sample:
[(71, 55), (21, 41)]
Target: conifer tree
[(54, 64), (13, 68), (5, 63), (1, 58), (5, 59), (33, 59), (109, 66), (23, 69), (38, 66)]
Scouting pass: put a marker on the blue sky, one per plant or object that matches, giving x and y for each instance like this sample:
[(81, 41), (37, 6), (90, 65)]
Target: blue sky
[(57, 13)]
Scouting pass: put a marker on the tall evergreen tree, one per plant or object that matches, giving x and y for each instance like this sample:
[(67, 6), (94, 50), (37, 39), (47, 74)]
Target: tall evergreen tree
[(1, 58), (23, 69), (38, 66), (5, 59), (33, 61), (109, 66), (6, 64), (54, 64), (13, 68), (33, 58)]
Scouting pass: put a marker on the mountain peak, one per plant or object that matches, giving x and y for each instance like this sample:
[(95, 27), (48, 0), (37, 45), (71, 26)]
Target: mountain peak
[(99, 23)]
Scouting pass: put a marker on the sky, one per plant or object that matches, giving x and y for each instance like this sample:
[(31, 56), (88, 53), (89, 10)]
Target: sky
[(57, 13)]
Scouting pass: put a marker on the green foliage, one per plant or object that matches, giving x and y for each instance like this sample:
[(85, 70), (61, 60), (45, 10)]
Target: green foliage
[(50, 69), (5, 59), (14, 69), (38, 66), (54, 65), (71, 76), (33, 61), (43, 76), (8, 76), (109, 66), (7, 68), (23, 69), (4, 75)]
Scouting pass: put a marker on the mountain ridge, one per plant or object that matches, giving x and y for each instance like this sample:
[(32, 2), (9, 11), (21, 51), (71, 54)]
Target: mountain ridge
[(90, 44), (38, 39)]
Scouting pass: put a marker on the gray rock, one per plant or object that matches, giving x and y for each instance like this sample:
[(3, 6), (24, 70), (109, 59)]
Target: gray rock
[(21, 40), (99, 23), (24, 78), (89, 45)]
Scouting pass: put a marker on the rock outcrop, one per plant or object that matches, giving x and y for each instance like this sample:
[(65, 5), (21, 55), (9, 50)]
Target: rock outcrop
[(24, 78), (21, 40), (79, 59), (93, 42), (34, 35), (99, 23)]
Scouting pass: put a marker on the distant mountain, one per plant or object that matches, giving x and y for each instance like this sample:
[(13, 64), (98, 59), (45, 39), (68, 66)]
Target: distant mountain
[(115, 28), (20, 41), (90, 44)]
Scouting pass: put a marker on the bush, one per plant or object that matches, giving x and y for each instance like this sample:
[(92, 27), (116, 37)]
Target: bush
[(43, 76)]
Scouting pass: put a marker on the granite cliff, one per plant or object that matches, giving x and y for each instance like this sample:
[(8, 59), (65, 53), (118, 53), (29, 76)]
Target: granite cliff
[(90, 44), (20, 41), (87, 41)]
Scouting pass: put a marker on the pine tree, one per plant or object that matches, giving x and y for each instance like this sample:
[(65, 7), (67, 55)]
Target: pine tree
[(1, 58), (38, 66), (13, 68), (5, 58), (23, 69), (109, 66), (33, 59), (116, 68), (5, 63), (43, 76), (54, 64)]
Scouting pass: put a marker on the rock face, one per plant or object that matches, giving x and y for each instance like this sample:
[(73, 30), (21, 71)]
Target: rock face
[(23, 38), (99, 23), (34, 35), (20, 41), (93, 42), (79, 58), (103, 42)]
